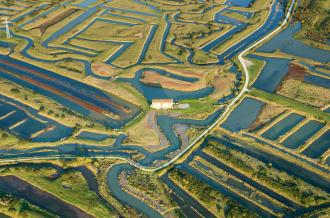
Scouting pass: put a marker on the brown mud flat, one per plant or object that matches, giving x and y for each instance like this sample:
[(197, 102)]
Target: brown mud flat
[(43, 27), (22, 189), (155, 79), (184, 72), (223, 86), (105, 70)]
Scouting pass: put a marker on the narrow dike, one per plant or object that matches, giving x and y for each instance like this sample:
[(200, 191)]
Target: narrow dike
[(22, 189), (189, 206), (241, 200), (87, 174), (246, 179), (124, 197)]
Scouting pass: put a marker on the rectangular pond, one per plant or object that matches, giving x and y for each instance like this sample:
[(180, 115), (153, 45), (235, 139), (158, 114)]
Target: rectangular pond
[(243, 115), (319, 146), (283, 126), (304, 133), (317, 80), (28, 122), (272, 74)]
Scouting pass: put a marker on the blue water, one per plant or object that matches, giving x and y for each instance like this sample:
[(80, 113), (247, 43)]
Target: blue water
[(317, 80), (12, 119), (31, 125), (163, 40), (116, 149), (152, 7), (283, 126), (315, 70), (273, 21), (92, 136), (277, 162), (44, 14), (243, 115), (183, 199), (272, 74), (224, 190), (107, 12), (239, 3), (131, 11), (124, 197), (246, 179), (319, 146), (150, 92), (220, 18), (70, 87), (88, 13), (147, 43), (304, 133), (29, 12), (287, 44), (166, 123), (85, 3)]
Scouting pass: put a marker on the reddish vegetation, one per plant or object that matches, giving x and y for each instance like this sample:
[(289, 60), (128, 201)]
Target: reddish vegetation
[(76, 100), (295, 72), (26, 70), (120, 107), (43, 27), (55, 91)]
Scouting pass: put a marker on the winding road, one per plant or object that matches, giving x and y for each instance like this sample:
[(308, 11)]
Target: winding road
[(228, 109)]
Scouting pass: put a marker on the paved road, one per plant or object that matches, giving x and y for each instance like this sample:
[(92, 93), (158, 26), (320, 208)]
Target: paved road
[(229, 108)]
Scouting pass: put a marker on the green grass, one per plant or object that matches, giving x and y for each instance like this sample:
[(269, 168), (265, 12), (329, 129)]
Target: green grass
[(295, 105), (288, 185), (70, 187), (215, 201), (315, 19), (14, 207), (255, 68), (197, 108), (7, 139)]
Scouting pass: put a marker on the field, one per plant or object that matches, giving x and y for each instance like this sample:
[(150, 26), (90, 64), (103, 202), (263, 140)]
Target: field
[(247, 135)]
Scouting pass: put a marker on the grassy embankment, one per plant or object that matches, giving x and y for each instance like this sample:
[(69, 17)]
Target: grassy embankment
[(315, 18), (149, 187), (210, 198), (46, 106), (14, 207), (70, 187), (292, 104), (281, 182), (255, 22), (235, 185)]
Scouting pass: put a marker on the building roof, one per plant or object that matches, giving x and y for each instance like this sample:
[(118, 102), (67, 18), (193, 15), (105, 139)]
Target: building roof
[(169, 101)]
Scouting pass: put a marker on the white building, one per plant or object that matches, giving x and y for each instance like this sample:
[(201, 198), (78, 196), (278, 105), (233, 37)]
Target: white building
[(162, 104)]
